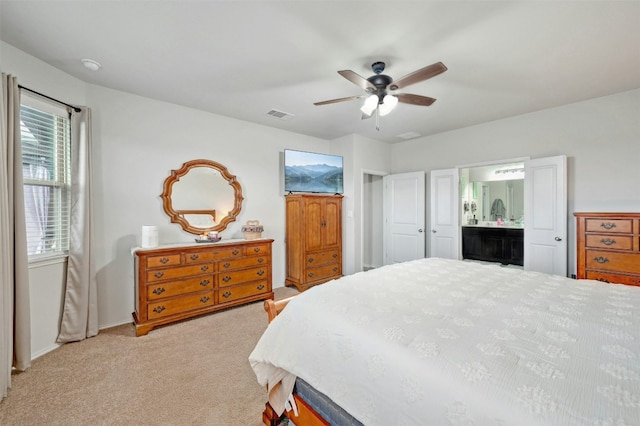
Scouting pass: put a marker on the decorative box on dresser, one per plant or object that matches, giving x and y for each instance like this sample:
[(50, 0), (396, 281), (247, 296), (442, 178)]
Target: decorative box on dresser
[(180, 281), (313, 239), (608, 247)]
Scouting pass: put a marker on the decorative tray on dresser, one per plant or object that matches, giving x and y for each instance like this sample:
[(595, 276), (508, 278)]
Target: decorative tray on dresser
[(608, 247), (179, 281)]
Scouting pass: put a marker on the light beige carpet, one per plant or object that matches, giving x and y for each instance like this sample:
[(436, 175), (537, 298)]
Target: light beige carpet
[(192, 373)]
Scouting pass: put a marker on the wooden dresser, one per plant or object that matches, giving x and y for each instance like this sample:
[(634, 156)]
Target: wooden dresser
[(184, 280), (314, 239), (608, 247)]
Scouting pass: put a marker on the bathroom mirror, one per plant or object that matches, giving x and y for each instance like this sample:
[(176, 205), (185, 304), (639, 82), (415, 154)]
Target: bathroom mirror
[(202, 196)]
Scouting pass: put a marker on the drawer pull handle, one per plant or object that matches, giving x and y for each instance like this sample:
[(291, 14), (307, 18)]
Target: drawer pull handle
[(335, 269), (204, 283), (635, 281), (159, 309), (260, 272), (310, 274), (235, 252), (226, 294), (260, 287), (164, 260), (608, 225), (204, 267), (158, 274), (608, 241), (601, 259), (260, 260), (194, 256), (603, 280), (204, 299), (310, 260), (257, 249), (227, 264), (335, 255), (158, 291), (226, 279)]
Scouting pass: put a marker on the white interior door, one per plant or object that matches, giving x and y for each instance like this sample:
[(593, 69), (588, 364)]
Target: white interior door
[(404, 217), (444, 235), (545, 215)]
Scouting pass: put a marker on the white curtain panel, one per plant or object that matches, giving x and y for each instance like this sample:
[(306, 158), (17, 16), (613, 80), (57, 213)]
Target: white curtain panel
[(15, 343), (80, 313)]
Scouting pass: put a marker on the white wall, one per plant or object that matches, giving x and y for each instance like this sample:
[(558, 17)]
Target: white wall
[(601, 138)]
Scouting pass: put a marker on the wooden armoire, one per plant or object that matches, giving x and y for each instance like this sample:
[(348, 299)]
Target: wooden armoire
[(313, 239)]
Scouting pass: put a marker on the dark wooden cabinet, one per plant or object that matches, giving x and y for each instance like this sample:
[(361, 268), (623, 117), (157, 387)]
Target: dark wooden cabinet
[(504, 245), (314, 239)]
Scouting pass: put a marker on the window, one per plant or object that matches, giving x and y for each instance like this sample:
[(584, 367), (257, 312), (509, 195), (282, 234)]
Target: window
[(46, 162)]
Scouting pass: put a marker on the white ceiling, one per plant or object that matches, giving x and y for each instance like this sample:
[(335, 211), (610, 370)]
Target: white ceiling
[(244, 58)]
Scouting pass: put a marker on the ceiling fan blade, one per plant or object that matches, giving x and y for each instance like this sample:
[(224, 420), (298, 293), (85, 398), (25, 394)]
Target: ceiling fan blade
[(417, 76), (333, 101), (409, 98), (357, 79)]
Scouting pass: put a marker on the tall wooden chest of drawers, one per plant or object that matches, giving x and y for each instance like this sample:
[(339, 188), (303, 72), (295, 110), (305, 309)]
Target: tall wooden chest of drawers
[(314, 239), (608, 247), (184, 280)]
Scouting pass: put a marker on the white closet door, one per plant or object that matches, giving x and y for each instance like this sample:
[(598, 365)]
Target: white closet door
[(545, 217), (404, 217), (444, 235)]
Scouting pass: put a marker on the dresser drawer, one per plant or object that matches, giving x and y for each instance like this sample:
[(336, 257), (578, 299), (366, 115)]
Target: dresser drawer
[(158, 261), (228, 252), (323, 258), (199, 257), (613, 261), (179, 305), (230, 278), (228, 294), (180, 271), (614, 226), (227, 265), (323, 272), (176, 288), (617, 242), (259, 249), (614, 278)]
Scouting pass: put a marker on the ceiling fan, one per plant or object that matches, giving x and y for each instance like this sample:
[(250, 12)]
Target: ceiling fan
[(378, 88)]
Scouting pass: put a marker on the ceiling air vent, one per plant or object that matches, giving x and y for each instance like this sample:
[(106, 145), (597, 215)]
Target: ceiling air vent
[(280, 114), (409, 135)]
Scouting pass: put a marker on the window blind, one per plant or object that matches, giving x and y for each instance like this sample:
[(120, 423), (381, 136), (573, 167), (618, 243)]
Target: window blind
[(46, 162)]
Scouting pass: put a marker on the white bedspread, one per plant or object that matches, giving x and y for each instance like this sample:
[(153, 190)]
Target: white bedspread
[(439, 342)]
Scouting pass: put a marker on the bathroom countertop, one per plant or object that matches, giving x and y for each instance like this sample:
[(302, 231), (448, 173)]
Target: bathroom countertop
[(493, 225)]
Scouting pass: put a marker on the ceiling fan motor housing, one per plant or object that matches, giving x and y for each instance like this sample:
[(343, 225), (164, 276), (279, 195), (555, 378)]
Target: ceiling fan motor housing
[(381, 82)]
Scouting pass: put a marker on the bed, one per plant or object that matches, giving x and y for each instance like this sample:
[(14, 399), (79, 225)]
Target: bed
[(439, 341)]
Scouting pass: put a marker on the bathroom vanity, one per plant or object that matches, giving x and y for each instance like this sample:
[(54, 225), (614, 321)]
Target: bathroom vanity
[(492, 243)]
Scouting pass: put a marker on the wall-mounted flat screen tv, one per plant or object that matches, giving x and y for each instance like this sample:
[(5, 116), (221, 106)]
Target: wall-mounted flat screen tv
[(312, 172)]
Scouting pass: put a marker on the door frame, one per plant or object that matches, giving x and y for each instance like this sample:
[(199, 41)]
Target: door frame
[(363, 172)]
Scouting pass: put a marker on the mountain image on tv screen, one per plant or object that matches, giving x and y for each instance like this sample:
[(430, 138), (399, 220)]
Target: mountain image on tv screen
[(313, 172)]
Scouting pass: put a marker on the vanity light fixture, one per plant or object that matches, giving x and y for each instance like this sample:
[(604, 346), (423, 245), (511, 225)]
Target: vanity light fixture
[(90, 64)]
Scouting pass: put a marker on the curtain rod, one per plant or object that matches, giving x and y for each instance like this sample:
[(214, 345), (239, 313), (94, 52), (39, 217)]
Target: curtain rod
[(75, 108)]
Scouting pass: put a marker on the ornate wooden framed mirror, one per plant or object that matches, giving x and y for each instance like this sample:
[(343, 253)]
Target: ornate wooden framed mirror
[(202, 196)]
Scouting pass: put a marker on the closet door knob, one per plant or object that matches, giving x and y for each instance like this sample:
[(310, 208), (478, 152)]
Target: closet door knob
[(558, 239)]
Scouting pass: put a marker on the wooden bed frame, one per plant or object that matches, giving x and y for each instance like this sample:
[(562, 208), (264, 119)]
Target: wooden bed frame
[(307, 416)]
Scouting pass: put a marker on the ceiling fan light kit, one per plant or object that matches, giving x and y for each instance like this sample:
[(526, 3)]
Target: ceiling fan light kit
[(378, 86)]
